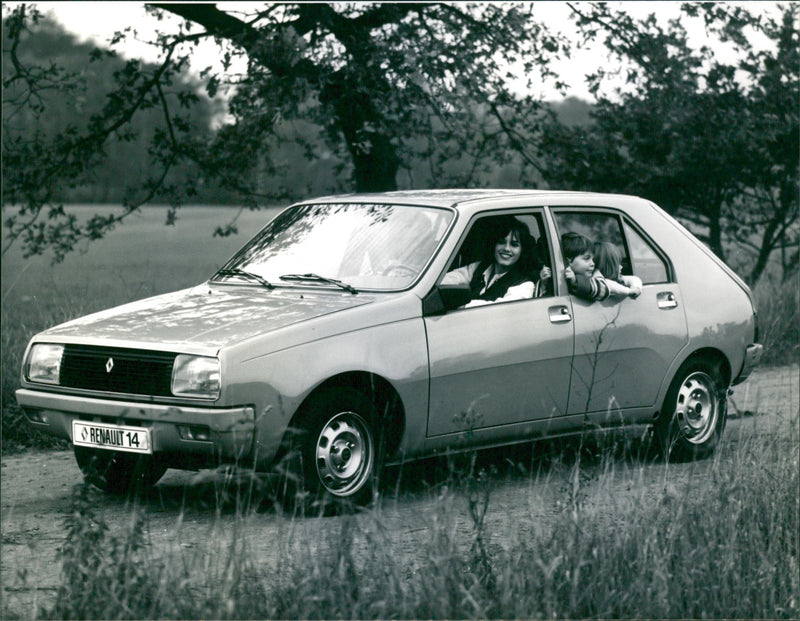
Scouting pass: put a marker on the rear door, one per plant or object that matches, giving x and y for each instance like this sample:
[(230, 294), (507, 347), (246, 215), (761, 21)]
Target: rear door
[(623, 346)]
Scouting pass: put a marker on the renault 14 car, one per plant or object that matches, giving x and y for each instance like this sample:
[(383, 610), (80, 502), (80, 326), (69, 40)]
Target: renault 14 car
[(334, 344)]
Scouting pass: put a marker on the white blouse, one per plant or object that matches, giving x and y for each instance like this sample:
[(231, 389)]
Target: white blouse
[(463, 275)]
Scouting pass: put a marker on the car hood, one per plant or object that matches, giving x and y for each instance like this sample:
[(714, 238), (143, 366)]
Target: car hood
[(208, 316)]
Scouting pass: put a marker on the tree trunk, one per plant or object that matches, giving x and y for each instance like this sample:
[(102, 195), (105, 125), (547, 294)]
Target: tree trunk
[(715, 230), (375, 160)]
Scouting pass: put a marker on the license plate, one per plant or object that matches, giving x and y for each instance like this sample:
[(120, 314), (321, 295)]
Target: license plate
[(113, 437)]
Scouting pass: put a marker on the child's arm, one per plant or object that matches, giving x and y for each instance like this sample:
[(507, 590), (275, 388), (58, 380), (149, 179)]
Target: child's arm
[(634, 283), (618, 289), (591, 289)]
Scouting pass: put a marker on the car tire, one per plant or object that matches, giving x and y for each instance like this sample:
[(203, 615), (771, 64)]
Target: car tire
[(118, 473), (694, 413), (334, 458)]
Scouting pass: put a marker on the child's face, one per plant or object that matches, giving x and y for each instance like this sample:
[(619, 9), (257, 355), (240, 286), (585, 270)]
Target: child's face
[(583, 264)]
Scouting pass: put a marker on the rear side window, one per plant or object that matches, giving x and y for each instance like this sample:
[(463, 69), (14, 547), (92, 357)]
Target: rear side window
[(638, 256), (645, 261)]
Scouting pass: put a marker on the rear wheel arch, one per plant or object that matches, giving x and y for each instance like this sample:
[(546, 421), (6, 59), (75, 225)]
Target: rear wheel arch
[(715, 357), (710, 354), (694, 408)]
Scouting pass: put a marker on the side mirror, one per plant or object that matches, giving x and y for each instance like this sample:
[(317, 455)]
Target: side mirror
[(444, 298)]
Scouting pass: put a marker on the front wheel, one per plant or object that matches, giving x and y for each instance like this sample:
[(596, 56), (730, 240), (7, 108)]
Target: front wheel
[(118, 473), (335, 457), (695, 411)]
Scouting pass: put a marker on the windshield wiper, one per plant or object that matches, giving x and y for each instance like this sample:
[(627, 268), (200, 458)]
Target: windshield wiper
[(245, 274), (318, 278)]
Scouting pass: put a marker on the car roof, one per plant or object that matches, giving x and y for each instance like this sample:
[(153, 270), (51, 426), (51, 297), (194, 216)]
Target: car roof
[(448, 197)]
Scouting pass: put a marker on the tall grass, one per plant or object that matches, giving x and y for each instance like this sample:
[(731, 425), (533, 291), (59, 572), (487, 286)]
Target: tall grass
[(720, 542)]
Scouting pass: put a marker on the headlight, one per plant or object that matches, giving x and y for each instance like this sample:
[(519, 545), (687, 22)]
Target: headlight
[(44, 363), (195, 376)]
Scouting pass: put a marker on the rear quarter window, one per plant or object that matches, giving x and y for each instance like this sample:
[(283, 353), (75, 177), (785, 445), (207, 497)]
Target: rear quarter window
[(646, 263)]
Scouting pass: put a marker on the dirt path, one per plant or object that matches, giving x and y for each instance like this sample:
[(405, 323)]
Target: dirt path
[(191, 514)]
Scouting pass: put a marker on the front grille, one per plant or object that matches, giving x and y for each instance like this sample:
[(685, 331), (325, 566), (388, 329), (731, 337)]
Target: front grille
[(111, 369)]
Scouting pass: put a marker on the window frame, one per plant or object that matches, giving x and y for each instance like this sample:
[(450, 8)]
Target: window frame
[(622, 219), (544, 222)]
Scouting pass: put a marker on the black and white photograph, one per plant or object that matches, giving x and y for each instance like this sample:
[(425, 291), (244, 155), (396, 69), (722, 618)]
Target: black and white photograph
[(399, 310)]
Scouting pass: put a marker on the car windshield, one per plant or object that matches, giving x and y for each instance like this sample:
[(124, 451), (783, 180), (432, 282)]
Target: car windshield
[(363, 246)]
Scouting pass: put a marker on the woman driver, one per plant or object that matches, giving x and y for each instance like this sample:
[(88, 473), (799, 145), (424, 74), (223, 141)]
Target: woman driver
[(505, 273)]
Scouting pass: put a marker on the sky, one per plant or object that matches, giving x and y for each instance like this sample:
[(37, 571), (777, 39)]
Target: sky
[(97, 21)]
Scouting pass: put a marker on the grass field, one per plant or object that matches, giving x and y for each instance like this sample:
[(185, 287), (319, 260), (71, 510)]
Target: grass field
[(719, 541), (141, 257)]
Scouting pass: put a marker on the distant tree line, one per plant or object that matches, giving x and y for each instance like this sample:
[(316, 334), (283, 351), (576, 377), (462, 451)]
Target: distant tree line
[(379, 96)]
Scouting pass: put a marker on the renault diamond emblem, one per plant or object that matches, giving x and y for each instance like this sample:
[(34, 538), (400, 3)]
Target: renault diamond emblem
[(109, 365)]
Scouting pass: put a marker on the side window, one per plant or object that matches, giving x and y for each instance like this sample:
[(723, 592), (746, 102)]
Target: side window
[(481, 261), (637, 255), (645, 261), (598, 227)]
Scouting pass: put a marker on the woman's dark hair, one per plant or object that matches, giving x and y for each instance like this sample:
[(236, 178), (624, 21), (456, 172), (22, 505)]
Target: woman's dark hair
[(502, 226), (521, 271)]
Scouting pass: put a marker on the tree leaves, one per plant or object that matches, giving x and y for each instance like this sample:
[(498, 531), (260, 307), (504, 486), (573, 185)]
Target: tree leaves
[(691, 134)]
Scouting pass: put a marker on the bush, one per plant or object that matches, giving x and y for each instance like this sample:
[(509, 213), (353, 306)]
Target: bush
[(778, 306)]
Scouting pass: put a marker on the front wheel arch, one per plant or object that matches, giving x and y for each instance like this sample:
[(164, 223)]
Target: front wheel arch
[(388, 406), (359, 414)]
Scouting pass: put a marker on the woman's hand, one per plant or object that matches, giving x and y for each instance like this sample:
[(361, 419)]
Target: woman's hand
[(545, 273)]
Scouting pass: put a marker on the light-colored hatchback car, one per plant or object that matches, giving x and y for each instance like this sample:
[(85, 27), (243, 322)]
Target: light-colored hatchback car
[(329, 345)]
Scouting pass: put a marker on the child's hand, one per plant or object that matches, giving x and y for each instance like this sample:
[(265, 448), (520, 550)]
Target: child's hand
[(545, 273), (569, 274)]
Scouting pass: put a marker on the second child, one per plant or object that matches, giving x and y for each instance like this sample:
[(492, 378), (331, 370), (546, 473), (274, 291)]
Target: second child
[(608, 262)]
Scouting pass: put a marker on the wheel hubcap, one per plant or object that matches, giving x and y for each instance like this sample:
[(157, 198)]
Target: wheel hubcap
[(344, 454), (697, 409)]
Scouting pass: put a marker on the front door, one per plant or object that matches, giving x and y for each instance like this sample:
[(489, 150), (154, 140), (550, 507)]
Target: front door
[(499, 366), (496, 367)]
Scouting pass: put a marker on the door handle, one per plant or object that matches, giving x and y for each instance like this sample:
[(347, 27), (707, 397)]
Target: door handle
[(667, 300), (559, 314)]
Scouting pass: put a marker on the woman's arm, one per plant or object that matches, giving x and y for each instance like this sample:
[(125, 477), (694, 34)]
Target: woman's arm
[(522, 291), (460, 276)]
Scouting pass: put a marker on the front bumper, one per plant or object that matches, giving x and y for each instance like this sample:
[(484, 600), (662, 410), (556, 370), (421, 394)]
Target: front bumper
[(752, 358), (230, 430)]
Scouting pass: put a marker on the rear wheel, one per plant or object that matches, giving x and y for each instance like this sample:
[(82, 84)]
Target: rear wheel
[(334, 458), (695, 411), (118, 473)]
